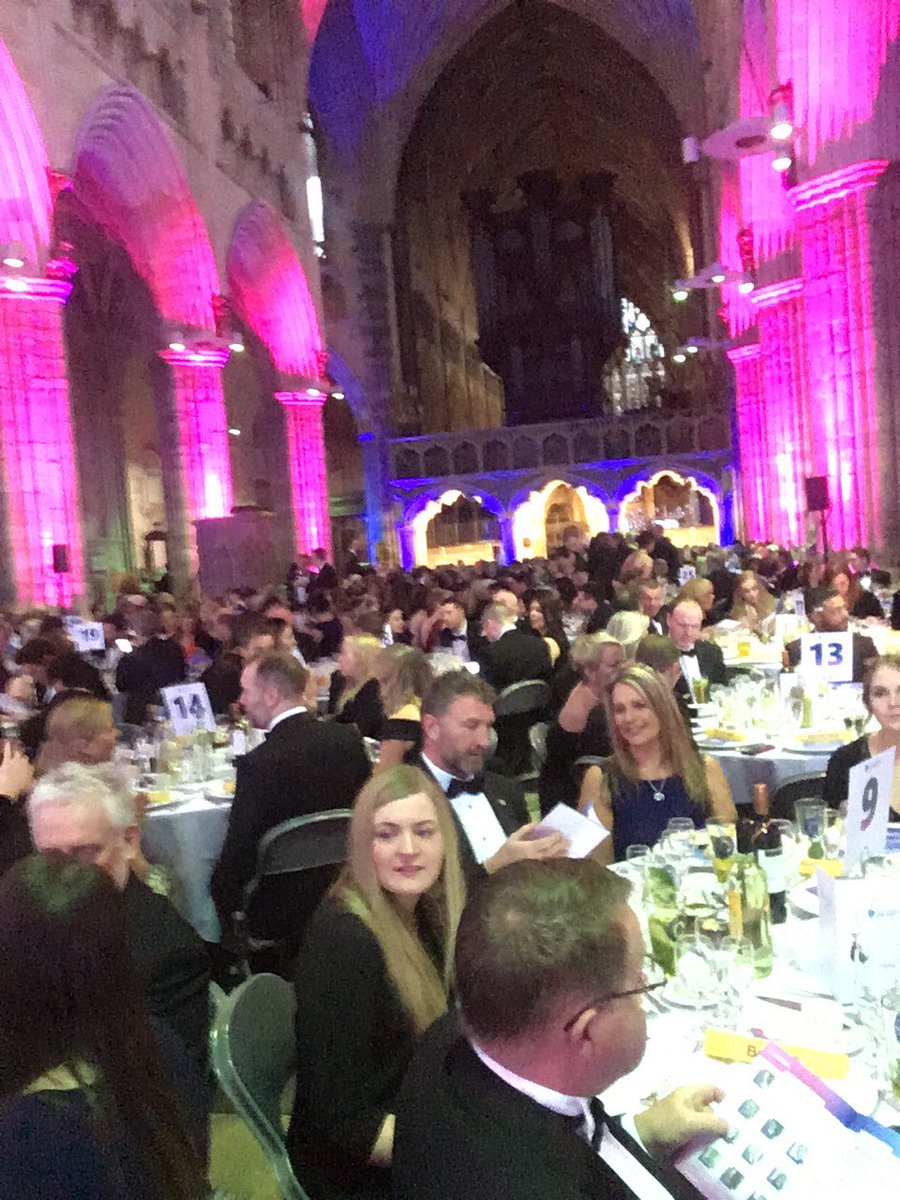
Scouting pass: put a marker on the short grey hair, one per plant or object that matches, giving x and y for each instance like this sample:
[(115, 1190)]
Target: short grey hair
[(587, 647), (74, 783)]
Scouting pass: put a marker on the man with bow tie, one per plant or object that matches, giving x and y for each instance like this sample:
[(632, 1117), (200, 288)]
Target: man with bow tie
[(491, 817), (699, 658), (501, 1099)]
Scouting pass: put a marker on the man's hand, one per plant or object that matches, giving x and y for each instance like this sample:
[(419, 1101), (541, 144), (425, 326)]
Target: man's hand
[(674, 1121), (523, 844), (16, 773)]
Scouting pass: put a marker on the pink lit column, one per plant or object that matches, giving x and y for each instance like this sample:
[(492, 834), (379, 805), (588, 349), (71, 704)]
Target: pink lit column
[(751, 438), (834, 237), (40, 482), (201, 452), (787, 433), (309, 482)]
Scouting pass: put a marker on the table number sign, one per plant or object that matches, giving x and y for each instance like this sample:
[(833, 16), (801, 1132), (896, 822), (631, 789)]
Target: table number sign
[(868, 807), (188, 707), (828, 656), (685, 573), (87, 636)]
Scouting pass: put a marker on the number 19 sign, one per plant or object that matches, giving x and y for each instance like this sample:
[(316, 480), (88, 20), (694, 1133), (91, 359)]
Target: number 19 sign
[(188, 707), (828, 655), (868, 800)]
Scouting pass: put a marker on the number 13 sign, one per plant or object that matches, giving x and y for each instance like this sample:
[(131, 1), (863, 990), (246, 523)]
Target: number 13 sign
[(868, 801), (188, 707), (828, 655)]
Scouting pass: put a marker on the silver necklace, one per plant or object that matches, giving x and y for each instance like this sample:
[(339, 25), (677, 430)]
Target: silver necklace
[(658, 789)]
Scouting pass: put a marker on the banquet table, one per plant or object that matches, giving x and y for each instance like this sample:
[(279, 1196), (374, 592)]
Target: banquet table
[(772, 767), (186, 838)]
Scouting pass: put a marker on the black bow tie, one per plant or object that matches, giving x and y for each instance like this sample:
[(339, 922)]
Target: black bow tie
[(578, 1124), (466, 787), (692, 653)]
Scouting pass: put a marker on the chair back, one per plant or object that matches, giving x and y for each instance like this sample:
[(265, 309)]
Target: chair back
[(253, 1051), (537, 736), (302, 843), (801, 787), (528, 696)]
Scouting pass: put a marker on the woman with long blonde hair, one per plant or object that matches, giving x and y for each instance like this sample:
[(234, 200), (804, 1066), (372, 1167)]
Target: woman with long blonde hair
[(354, 697), (753, 603), (403, 674), (373, 973), (655, 772)]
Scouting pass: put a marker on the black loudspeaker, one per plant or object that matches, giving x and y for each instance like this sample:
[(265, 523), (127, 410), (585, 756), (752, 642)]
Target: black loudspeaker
[(817, 493), (60, 559)]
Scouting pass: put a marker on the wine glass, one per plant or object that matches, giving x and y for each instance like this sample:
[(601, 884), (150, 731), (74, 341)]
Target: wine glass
[(740, 968)]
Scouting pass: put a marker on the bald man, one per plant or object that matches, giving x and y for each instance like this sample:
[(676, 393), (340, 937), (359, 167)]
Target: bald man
[(699, 658)]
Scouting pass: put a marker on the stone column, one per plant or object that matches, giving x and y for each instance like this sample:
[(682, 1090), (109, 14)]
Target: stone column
[(787, 425), (306, 456), (375, 468), (840, 340), (507, 539), (200, 450), (39, 479), (751, 441)]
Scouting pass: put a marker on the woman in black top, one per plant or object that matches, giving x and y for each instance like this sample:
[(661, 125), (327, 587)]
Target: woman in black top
[(403, 674), (861, 604), (371, 976), (87, 1106), (544, 610), (354, 697), (881, 696)]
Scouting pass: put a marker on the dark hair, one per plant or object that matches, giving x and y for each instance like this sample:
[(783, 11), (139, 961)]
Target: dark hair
[(284, 671), (657, 652), (818, 597), (247, 625), (450, 687), (64, 939), (533, 934), (72, 671), (41, 649)]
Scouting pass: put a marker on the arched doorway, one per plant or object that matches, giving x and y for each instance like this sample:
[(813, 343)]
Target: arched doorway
[(540, 519), (686, 510), (455, 529), (564, 507)]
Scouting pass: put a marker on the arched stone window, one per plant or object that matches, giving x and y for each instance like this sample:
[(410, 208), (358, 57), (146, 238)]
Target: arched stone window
[(634, 376)]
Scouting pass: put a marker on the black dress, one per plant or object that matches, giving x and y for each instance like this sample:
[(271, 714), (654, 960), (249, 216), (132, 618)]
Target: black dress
[(559, 782), (354, 1044), (837, 773), (364, 710), (404, 729)]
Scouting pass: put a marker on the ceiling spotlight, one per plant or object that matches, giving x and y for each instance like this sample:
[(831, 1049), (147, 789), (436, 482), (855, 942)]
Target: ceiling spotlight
[(782, 162), (680, 294), (177, 346), (717, 273), (236, 344), (746, 286), (314, 392), (781, 104), (692, 349), (679, 357), (13, 256), (337, 396), (235, 432), (782, 131)]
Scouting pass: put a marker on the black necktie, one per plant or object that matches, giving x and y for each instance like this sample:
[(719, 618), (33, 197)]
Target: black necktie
[(578, 1123), (466, 787)]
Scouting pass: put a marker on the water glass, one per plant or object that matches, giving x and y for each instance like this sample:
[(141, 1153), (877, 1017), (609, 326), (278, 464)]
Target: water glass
[(810, 818), (740, 968), (694, 972)]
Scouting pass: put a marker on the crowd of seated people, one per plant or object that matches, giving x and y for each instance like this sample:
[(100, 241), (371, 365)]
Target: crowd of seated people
[(617, 630)]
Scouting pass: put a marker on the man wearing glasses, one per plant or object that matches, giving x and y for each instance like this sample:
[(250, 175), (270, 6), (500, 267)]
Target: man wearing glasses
[(549, 976)]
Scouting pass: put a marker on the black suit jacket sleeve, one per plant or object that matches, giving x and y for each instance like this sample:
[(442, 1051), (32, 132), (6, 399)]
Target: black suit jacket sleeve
[(247, 822)]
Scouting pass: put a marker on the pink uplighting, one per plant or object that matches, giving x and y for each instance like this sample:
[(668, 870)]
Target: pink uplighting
[(40, 480), (128, 176), (202, 430), (309, 483), (270, 294), (24, 188)]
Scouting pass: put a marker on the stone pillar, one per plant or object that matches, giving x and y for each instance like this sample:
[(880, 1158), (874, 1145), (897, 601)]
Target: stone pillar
[(375, 468), (840, 339), (507, 539), (406, 537), (200, 451), (39, 478), (786, 424), (309, 482), (750, 421)]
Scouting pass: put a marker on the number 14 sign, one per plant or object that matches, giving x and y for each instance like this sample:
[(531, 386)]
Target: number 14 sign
[(828, 655), (188, 707)]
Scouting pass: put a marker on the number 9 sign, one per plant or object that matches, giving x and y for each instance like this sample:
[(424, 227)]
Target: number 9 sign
[(868, 801)]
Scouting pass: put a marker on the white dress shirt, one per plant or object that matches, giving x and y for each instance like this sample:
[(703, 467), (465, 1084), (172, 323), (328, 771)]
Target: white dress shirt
[(459, 645), (288, 712), (632, 1172), (479, 821), (690, 669)]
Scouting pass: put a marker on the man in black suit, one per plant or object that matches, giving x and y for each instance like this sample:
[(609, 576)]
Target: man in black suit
[(303, 766), (510, 655), (502, 1103), (489, 809), (649, 597), (159, 662), (699, 659), (457, 634), (828, 613)]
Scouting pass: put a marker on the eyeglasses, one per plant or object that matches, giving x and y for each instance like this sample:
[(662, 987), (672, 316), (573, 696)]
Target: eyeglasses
[(650, 968)]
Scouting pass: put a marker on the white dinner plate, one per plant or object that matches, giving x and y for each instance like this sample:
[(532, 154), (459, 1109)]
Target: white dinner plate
[(673, 995), (813, 747), (805, 898)]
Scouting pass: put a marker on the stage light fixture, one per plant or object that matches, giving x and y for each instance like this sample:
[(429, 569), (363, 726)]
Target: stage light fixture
[(338, 396), (680, 294), (746, 286), (679, 357), (236, 344), (782, 162), (235, 432), (14, 256)]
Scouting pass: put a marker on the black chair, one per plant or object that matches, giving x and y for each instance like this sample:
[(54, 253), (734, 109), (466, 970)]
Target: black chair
[(801, 787), (298, 845), (517, 708)]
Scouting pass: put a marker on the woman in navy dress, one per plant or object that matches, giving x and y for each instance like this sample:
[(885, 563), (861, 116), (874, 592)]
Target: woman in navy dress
[(655, 772)]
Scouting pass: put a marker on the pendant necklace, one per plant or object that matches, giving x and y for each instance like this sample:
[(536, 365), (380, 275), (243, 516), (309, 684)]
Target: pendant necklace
[(658, 789)]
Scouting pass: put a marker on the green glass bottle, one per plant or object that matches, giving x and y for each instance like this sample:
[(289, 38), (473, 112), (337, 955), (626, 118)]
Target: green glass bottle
[(748, 904)]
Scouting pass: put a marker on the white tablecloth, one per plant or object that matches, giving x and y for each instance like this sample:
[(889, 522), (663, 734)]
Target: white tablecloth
[(186, 838), (774, 767)]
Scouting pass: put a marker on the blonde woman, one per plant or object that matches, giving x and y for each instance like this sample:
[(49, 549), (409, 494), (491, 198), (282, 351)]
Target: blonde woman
[(80, 729), (655, 772), (403, 674), (354, 698), (372, 975), (752, 604)]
